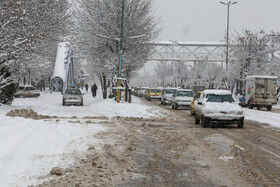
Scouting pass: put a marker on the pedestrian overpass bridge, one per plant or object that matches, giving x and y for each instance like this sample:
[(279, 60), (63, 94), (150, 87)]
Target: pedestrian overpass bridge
[(187, 51)]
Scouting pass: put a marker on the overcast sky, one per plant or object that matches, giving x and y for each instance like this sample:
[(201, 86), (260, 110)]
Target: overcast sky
[(205, 20)]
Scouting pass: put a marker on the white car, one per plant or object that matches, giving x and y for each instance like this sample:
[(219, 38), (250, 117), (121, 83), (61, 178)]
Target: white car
[(166, 96), (27, 91), (218, 107), (182, 98), (142, 91)]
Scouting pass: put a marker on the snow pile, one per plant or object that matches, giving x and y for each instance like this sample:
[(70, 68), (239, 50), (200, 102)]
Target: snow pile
[(38, 134), (267, 117), (33, 147), (25, 113)]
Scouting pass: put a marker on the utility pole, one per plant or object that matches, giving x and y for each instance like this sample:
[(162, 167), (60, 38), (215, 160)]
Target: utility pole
[(121, 48), (227, 4)]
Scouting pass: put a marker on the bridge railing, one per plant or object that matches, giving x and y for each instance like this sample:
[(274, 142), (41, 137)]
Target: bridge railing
[(187, 51)]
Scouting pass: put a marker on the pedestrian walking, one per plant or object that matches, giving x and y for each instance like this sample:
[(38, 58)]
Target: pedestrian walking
[(86, 87), (94, 89)]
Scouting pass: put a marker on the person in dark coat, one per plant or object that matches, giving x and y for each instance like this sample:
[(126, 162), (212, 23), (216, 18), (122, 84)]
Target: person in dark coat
[(86, 87), (94, 89)]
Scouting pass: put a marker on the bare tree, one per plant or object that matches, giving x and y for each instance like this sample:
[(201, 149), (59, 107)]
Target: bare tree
[(99, 31), (29, 30), (251, 54)]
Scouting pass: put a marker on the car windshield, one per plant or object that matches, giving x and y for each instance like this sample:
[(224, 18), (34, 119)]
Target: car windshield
[(219, 98), (170, 91), (185, 93), (73, 92), (20, 88)]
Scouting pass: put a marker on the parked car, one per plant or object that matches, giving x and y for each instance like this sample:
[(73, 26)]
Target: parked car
[(142, 91), (137, 91), (27, 91), (196, 97), (146, 93), (166, 96), (182, 98), (154, 93), (216, 107), (72, 96)]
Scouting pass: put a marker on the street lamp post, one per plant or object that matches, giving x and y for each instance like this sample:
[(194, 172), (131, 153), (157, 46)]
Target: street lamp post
[(227, 4), (121, 48)]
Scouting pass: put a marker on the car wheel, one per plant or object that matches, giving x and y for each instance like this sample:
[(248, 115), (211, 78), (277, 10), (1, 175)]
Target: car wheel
[(258, 107), (176, 106), (196, 120), (21, 96), (36, 96), (172, 106), (269, 108), (204, 123), (192, 113), (251, 106), (161, 102), (241, 125)]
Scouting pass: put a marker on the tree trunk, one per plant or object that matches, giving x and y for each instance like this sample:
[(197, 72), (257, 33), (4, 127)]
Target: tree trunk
[(104, 87), (126, 91)]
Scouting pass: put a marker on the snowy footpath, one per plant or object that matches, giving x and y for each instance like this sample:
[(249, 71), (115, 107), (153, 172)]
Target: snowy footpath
[(30, 148)]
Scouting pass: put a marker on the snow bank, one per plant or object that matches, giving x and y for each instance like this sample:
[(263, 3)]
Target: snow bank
[(51, 104), (33, 147), (267, 117), (30, 148)]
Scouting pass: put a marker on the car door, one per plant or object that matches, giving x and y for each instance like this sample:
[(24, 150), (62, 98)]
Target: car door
[(32, 92), (25, 92)]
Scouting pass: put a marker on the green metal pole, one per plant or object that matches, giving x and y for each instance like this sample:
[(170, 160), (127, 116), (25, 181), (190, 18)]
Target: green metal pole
[(121, 48)]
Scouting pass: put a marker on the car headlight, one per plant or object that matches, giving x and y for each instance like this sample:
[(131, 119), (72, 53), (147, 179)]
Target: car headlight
[(209, 111), (240, 113)]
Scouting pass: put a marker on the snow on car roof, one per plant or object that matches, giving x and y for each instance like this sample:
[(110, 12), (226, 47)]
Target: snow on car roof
[(217, 92), (184, 90)]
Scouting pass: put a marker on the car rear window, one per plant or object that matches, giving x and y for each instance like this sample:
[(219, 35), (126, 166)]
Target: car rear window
[(73, 92), (170, 91)]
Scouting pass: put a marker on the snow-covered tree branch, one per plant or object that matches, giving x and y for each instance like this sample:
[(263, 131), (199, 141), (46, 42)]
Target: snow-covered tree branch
[(99, 29)]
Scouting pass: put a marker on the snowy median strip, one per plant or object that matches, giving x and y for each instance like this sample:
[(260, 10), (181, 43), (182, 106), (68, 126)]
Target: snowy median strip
[(267, 117), (32, 147)]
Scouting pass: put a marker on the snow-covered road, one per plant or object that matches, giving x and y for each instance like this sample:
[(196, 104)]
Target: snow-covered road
[(31, 148)]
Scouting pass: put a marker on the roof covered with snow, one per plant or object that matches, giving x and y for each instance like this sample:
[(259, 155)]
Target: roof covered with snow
[(217, 92)]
